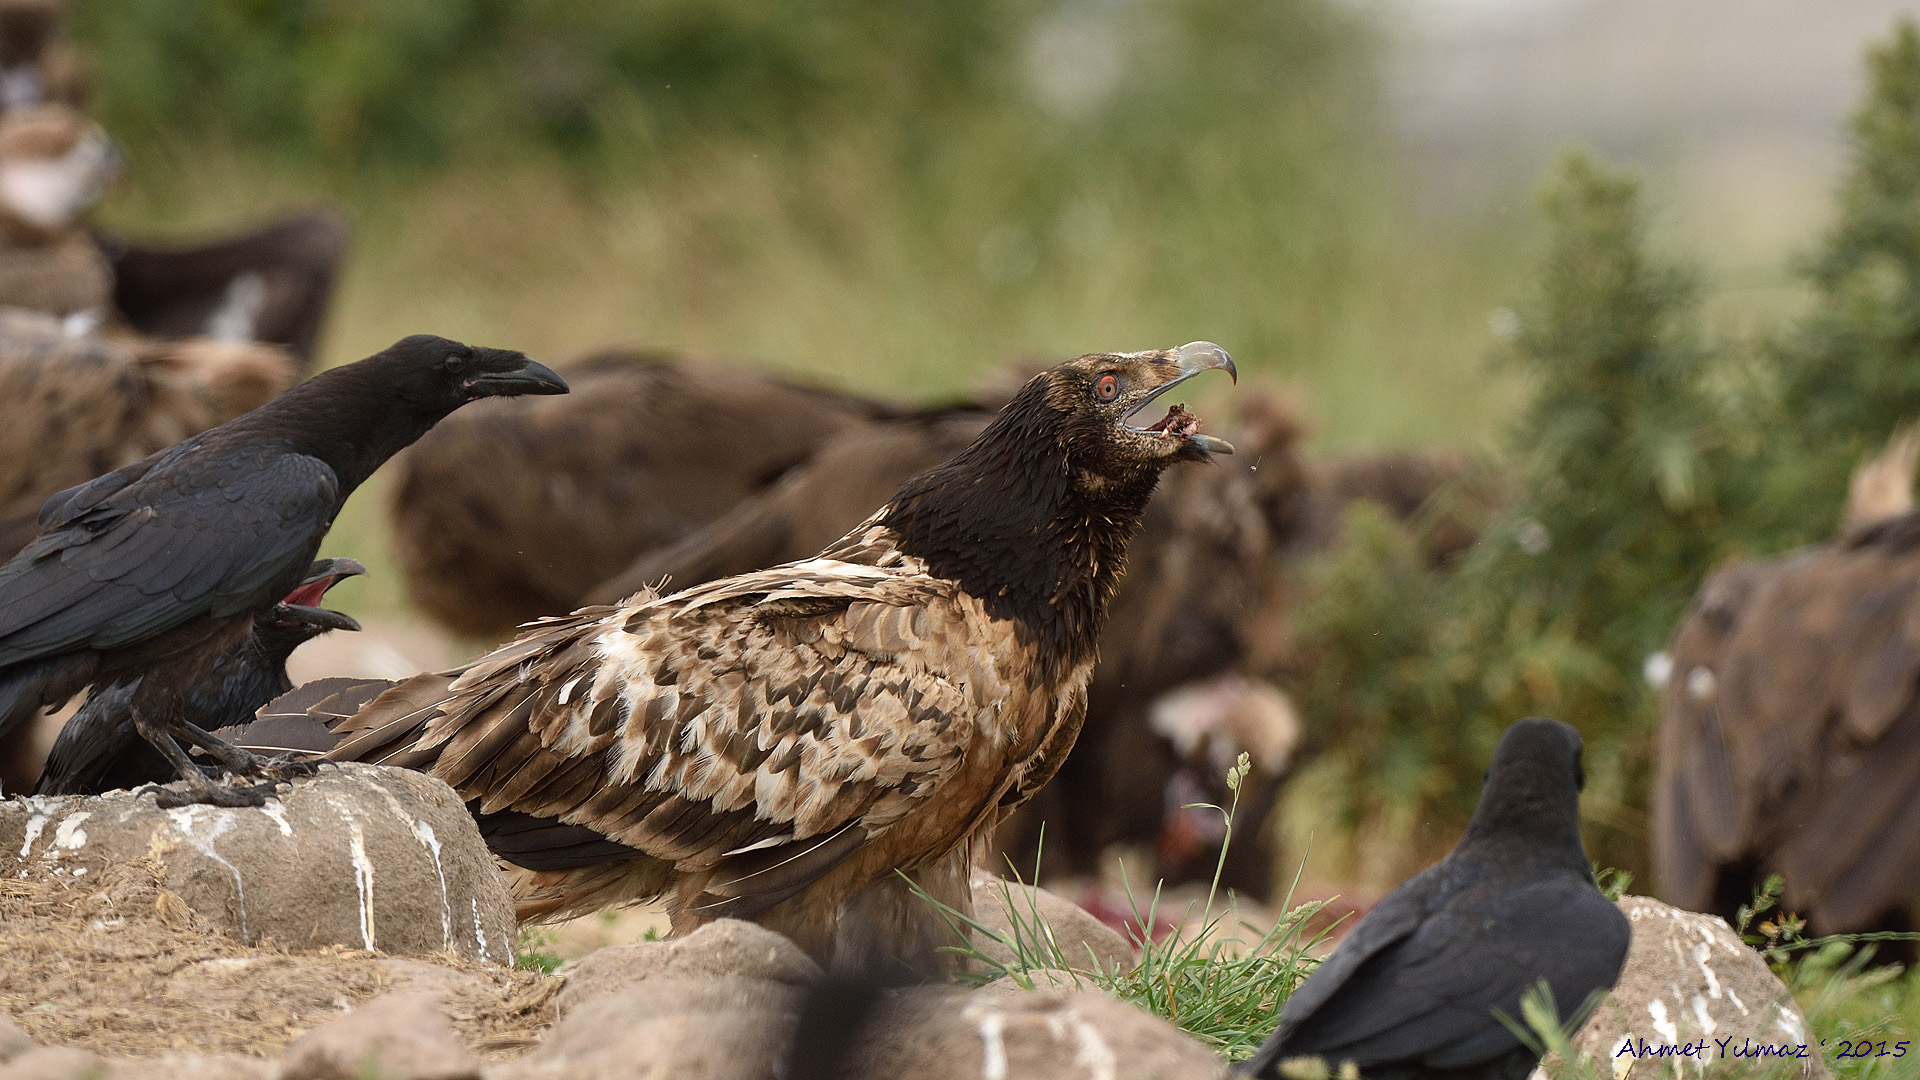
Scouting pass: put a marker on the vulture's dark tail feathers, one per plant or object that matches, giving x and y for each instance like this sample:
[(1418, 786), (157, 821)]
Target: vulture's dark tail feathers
[(833, 1016)]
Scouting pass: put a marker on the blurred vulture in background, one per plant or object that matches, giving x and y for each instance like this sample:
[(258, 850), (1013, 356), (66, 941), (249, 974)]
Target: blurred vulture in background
[(36, 67), (1790, 723), (658, 470), (78, 407), (270, 284), (511, 510)]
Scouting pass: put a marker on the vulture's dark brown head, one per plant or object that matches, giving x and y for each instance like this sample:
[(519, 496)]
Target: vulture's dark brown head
[(1034, 516)]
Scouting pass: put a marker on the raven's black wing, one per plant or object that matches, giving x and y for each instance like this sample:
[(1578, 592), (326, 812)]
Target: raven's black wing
[(1390, 921), (1430, 997), (140, 551)]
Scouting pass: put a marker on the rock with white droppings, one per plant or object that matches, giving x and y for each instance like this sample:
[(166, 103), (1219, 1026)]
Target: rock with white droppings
[(1690, 982), (358, 855), (393, 1036), (725, 948), (1086, 943), (668, 1028), (939, 1033)]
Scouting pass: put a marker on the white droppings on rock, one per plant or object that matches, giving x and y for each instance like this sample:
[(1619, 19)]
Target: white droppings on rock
[(220, 823), (1790, 1023), (425, 832), (362, 877), (991, 1024), (1090, 1048), (480, 934), (1700, 954), (1662, 1023), (277, 812), (36, 825), (1703, 1020), (68, 835)]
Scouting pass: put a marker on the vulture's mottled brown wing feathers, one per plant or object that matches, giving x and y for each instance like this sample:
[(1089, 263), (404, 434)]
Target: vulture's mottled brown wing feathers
[(762, 728)]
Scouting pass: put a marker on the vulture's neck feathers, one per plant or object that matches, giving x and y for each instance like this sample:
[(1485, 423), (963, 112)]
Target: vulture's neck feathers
[(1006, 520)]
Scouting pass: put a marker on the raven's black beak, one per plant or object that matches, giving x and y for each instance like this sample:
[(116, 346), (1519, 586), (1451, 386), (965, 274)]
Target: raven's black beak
[(531, 377), (303, 603), (325, 618)]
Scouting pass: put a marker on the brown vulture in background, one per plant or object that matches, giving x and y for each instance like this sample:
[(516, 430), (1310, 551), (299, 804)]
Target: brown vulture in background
[(781, 745), (270, 284), (54, 166), (517, 509), (36, 67), (1790, 724), (78, 407)]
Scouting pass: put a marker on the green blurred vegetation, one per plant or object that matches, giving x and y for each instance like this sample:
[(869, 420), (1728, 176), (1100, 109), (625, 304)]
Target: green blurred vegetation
[(1649, 452), (893, 196)]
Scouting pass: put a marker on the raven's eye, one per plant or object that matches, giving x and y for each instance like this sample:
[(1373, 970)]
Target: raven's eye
[(454, 363), (1106, 388)]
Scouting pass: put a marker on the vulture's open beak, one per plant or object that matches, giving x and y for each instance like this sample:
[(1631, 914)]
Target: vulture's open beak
[(1191, 359)]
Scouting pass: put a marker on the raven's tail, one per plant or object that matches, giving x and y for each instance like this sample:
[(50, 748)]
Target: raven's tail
[(32, 685), (304, 719)]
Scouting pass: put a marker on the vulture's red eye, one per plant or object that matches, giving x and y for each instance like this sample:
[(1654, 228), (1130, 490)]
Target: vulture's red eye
[(1106, 388)]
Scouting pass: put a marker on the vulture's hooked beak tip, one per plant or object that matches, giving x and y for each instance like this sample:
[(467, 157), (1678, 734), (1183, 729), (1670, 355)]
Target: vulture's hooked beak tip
[(1198, 356)]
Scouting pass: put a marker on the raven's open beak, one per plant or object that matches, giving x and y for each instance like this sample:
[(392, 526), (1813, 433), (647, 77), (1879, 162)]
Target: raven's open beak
[(531, 377), (1192, 359), (303, 603)]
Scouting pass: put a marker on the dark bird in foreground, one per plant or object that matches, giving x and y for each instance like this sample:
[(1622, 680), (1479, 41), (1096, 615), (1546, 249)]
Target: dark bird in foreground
[(155, 570), (100, 750), (1412, 991), (777, 746)]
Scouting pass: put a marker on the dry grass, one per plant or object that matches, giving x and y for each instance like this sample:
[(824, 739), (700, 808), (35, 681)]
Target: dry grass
[(121, 966)]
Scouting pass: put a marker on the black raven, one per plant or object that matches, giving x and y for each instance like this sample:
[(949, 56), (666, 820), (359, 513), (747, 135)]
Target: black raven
[(156, 569), (99, 749), (1412, 992)]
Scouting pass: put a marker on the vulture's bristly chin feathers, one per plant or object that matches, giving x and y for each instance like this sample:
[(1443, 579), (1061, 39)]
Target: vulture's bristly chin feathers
[(784, 744)]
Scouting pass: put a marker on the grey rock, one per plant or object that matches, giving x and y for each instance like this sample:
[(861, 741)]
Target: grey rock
[(1689, 979), (54, 1063), (1042, 979), (668, 1028), (937, 1033), (359, 855), (13, 1041), (723, 949), (195, 1066), (393, 1036), (1086, 943)]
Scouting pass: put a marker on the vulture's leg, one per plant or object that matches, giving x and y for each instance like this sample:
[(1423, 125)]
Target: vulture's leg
[(890, 933)]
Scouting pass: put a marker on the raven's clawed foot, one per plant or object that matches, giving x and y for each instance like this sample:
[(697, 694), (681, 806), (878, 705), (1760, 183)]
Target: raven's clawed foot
[(289, 767), (204, 792)]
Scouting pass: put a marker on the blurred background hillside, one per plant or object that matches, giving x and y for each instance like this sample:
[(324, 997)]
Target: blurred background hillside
[(895, 197)]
